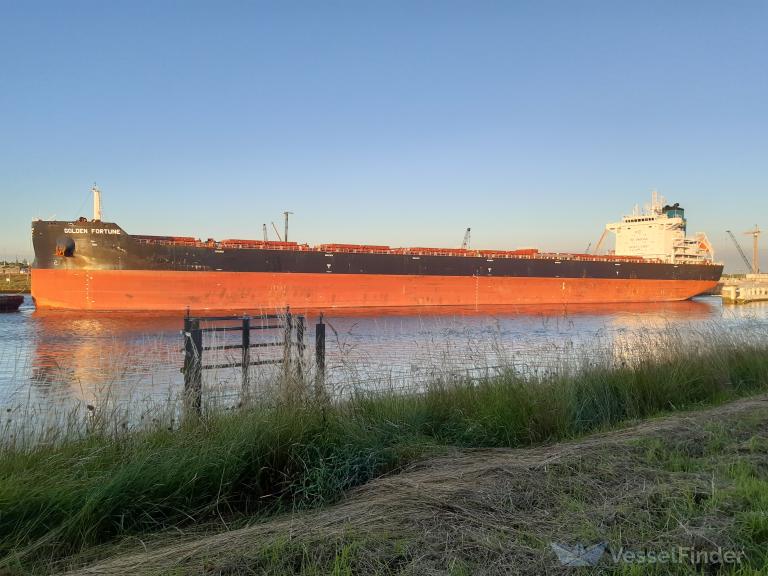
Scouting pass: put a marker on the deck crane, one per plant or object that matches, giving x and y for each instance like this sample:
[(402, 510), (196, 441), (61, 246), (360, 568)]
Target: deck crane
[(741, 252), (599, 242), (465, 243), (276, 232)]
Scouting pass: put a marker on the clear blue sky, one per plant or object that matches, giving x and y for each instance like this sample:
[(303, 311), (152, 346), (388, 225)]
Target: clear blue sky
[(535, 123)]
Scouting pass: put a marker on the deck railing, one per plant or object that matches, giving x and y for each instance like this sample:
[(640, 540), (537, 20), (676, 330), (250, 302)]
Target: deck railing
[(524, 254)]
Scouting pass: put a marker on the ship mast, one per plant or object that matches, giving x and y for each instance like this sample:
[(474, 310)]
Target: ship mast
[(286, 214), (96, 203)]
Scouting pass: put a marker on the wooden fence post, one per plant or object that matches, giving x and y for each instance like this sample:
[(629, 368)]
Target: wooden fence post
[(320, 392), (193, 365), (300, 349), (288, 389), (246, 360), (287, 336)]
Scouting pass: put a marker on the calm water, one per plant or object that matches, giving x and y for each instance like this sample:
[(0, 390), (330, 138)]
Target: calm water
[(56, 358)]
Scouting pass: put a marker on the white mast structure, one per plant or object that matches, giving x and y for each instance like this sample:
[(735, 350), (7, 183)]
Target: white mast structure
[(96, 203)]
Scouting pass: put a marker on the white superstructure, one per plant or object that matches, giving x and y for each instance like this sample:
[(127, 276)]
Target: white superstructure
[(659, 233)]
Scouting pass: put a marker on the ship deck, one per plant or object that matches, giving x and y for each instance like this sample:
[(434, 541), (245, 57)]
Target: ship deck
[(237, 244)]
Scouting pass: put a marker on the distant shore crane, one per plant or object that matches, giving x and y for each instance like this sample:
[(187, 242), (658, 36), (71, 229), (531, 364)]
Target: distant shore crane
[(755, 265), (755, 233), (741, 252)]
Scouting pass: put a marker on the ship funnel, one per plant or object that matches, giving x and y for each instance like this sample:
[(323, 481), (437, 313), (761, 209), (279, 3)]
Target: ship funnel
[(96, 203)]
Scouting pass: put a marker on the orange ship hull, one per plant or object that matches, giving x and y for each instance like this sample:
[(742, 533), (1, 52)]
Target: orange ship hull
[(171, 290)]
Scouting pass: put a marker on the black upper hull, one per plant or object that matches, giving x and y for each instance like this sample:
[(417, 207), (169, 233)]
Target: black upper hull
[(105, 246)]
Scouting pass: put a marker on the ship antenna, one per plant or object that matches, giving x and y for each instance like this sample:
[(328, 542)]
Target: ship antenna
[(96, 203)]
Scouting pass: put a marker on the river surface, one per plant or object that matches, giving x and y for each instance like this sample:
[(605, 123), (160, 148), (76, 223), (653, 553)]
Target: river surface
[(54, 359)]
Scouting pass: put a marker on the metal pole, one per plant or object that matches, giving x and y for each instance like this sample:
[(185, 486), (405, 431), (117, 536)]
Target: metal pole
[(246, 353)]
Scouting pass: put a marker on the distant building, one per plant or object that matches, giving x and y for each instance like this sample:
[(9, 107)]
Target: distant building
[(752, 289), (12, 269)]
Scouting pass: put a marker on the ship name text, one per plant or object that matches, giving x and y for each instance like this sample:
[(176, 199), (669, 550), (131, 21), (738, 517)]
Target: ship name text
[(91, 231)]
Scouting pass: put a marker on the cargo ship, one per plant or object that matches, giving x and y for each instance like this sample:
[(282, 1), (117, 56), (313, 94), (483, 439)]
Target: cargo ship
[(95, 265)]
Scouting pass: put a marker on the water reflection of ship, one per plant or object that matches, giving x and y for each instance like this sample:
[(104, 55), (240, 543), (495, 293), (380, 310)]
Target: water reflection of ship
[(92, 357), (699, 308), (86, 356), (78, 325)]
